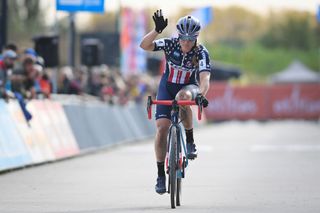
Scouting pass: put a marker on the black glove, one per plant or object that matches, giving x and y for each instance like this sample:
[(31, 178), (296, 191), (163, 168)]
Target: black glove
[(201, 100), (159, 21)]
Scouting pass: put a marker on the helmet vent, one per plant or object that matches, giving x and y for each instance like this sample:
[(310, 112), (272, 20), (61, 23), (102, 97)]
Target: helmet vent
[(194, 26), (182, 28)]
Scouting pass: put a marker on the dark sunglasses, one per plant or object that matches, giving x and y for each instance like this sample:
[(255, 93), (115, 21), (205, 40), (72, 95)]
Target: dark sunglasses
[(187, 38)]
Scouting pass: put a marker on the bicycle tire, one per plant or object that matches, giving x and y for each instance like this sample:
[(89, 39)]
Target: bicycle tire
[(178, 198), (173, 165), (179, 179)]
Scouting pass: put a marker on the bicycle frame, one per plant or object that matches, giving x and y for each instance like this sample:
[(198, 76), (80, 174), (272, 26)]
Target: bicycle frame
[(176, 149), (180, 141)]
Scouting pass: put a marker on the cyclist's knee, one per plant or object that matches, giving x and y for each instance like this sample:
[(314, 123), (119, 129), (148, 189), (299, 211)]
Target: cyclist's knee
[(184, 95), (162, 129), (163, 126)]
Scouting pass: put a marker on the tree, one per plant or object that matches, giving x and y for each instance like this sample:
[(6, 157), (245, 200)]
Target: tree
[(234, 25), (103, 23), (25, 20), (291, 30)]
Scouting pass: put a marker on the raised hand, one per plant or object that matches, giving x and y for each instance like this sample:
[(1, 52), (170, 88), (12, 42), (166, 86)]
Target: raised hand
[(159, 21)]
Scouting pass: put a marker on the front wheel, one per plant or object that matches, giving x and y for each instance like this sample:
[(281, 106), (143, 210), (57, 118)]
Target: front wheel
[(178, 191), (173, 165)]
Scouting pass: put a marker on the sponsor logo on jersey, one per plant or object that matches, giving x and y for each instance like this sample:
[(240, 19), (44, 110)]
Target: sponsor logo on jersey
[(189, 64), (174, 61), (160, 43), (202, 64), (176, 54)]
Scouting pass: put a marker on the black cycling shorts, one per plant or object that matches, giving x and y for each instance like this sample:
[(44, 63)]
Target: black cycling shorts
[(168, 91)]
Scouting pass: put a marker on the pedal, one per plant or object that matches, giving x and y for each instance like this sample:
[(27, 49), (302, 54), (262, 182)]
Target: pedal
[(192, 157)]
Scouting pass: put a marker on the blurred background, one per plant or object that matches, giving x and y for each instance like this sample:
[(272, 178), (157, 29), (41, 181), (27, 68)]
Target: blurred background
[(73, 80), (265, 55), (254, 41), (91, 48)]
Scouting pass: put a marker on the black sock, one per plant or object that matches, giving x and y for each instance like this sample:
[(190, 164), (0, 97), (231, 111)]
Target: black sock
[(189, 134), (160, 166)]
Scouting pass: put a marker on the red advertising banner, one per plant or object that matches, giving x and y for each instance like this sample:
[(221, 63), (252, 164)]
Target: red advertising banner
[(295, 101), (227, 102), (261, 102)]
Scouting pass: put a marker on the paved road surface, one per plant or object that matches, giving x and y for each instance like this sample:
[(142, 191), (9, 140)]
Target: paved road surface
[(242, 167)]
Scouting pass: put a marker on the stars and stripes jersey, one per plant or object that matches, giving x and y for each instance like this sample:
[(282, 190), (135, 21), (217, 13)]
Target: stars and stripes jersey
[(183, 68)]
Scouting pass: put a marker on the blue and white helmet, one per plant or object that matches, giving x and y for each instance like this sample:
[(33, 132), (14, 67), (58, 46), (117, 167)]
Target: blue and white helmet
[(188, 28)]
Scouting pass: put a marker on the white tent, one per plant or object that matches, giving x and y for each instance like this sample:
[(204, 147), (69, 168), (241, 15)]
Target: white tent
[(296, 72)]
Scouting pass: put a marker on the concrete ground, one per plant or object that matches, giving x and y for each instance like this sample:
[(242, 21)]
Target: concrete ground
[(242, 167)]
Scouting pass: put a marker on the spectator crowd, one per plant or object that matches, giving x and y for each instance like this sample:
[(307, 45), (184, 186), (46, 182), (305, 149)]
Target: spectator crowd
[(24, 71)]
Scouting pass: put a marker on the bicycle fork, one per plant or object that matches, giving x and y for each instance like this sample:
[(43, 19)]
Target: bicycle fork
[(182, 160)]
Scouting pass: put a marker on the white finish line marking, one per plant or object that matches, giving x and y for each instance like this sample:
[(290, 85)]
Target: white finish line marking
[(286, 148)]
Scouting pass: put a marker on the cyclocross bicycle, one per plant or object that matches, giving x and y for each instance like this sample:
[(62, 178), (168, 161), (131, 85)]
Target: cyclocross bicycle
[(176, 157)]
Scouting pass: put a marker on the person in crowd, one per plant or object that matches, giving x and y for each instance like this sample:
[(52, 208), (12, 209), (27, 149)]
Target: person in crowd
[(65, 75), (43, 83), (29, 78), (107, 92), (6, 66), (30, 52), (10, 46), (78, 83)]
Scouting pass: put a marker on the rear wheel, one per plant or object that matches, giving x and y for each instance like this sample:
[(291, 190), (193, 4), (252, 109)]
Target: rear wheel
[(173, 166)]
